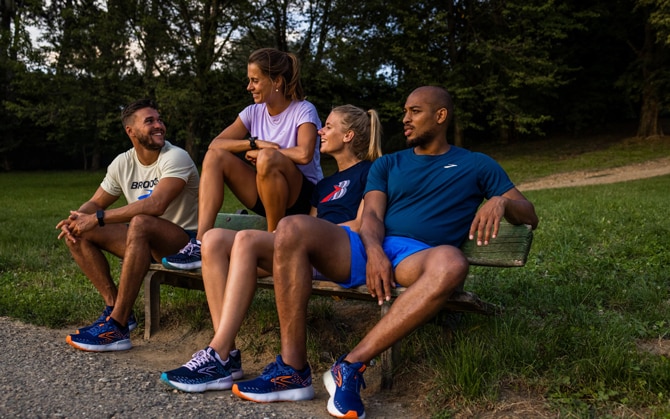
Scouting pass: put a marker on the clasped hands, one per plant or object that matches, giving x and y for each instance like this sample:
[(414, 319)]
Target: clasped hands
[(252, 155), (75, 225)]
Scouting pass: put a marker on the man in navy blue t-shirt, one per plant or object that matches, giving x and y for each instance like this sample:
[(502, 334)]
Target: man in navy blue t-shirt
[(420, 205)]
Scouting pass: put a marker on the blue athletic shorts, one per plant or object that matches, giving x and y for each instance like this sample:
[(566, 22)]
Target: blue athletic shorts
[(396, 248)]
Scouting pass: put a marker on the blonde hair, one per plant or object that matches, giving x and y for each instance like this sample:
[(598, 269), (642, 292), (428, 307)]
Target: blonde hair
[(367, 129), (274, 64)]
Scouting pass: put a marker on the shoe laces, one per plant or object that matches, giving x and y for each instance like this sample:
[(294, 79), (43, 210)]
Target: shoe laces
[(352, 376), (192, 248), (277, 368), (198, 359), (271, 370)]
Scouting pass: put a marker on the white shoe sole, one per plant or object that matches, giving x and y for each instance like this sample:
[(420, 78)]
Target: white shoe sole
[(329, 383), (183, 266), (293, 395), (121, 345), (220, 384), (237, 374)]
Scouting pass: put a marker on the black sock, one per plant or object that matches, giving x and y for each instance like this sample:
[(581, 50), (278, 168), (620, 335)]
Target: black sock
[(119, 325)]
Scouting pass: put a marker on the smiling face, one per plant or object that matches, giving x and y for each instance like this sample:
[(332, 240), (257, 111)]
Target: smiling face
[(260, 85), (147, 128), (333, 135)]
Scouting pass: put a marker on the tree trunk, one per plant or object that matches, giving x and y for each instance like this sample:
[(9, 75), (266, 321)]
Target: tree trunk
[(458, 133), (648, 125), (504, 133), (96, 160), (192, 144)]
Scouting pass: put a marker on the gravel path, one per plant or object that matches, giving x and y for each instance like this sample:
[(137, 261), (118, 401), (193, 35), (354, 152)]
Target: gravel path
[(651, 168), (43, 377)]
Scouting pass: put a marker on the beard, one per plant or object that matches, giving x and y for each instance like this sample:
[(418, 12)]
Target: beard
[(422, 139), (147, 142)]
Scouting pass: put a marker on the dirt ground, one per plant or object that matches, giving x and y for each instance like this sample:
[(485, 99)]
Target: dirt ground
[(658, 167), (172, 347)]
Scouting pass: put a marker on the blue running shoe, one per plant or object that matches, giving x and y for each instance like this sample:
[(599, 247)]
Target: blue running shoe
[(132, 322), (187, 258), (343, 382), (103, 337), (235, 361), (278, 383), (203, 372)]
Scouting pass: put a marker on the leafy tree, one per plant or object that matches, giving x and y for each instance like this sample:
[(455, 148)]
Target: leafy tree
[(496, 57), (77, 95), (184, 48), (15, 45)]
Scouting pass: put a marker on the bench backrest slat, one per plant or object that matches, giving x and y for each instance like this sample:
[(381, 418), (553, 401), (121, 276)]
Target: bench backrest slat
[(509, 249)]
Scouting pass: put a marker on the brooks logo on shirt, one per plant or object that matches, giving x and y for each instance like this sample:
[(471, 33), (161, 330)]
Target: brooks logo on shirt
[(144, 184), (339, 191)]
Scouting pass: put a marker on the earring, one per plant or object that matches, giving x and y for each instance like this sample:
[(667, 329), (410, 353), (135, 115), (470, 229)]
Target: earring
[(276, 90)]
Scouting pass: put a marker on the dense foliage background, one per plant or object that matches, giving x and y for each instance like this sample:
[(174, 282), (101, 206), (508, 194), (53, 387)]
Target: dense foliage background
[(517, 69)]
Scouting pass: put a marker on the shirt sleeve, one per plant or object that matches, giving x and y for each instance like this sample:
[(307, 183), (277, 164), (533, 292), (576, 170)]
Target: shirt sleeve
[(377, 178), (492, 178), (111, 183), (177, 164), (308, 114)]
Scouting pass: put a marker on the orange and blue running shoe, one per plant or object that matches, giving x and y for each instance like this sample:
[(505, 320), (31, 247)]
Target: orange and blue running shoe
[(103, 337), (278, 383), (132, 323), (343, 382)]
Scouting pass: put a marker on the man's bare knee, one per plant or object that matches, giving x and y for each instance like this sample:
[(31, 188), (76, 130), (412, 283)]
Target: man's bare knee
[(450, 272), (288, 229), (140, 224), (292, 233)]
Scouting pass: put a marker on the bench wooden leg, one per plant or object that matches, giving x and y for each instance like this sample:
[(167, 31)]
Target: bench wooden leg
[(389, 357), (152, 302)]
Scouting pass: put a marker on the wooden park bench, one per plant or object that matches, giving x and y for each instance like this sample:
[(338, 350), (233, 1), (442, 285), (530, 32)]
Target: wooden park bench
[(509, 249)]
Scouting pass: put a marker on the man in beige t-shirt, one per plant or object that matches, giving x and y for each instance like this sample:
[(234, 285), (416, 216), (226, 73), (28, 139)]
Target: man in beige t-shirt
[(160, 183)]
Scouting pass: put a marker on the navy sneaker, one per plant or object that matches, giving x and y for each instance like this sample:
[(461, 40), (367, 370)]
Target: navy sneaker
[(235, 361), (278, 383), (103, 337), (343, 382), (187, 258), (132, 322), (203, 372)]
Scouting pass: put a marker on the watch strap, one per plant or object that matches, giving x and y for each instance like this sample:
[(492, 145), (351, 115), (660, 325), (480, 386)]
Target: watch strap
[(252, 143), (100, 214)]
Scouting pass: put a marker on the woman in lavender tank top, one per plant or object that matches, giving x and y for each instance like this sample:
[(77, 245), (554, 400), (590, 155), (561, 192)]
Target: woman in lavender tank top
[(277, 135)]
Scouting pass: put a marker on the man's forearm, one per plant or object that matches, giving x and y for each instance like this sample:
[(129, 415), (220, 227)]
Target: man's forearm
[(521, 211)]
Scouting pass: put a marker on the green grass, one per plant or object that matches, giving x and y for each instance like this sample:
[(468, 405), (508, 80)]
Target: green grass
[(596, 285)]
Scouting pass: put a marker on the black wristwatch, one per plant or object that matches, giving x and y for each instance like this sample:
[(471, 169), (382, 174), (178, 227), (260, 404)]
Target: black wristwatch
[(100, 214), (252, 143)]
